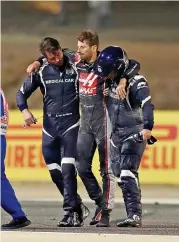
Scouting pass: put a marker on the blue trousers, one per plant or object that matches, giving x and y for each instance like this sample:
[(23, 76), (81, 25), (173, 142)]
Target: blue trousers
[(126, 154), (9, 200), (59, 154)]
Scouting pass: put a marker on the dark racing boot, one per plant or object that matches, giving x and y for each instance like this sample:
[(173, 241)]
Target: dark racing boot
[(81, 212), (132, 199), (97, 216), (68, 220), (132, 221), (16, 223), (105, 218)]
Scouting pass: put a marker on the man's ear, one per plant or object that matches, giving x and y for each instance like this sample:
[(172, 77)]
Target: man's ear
[(94, 48)]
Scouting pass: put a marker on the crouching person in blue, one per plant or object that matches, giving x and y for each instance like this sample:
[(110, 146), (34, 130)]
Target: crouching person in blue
[(132, 122), (9, 201)]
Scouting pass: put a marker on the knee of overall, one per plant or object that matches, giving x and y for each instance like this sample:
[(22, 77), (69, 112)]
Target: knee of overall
[(116, 169), (68, 165), (128, 165), (83, 170), (56, 176), (106, 172), (3, 176), (128, 177)]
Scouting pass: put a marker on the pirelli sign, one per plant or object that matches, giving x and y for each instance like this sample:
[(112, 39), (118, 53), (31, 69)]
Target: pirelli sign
[(159, 165)]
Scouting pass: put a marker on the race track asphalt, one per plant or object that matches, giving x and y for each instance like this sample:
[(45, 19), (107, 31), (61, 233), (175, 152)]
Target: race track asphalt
[(158, 219)]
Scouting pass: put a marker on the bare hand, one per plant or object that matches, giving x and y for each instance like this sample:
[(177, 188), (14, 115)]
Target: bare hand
[(28, 117), (146, 134), (34, 67), (121, 89), (106, 92)]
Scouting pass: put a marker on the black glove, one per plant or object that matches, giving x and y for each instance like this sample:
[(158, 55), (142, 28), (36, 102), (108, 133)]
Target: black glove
[(152, 140), (138, 137)]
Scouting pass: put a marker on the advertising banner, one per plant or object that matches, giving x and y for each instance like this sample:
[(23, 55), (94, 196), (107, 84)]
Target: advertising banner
[(159, 165)]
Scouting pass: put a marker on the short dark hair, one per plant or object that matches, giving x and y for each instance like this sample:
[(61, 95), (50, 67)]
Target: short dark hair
[(49, 44), (90, 36)]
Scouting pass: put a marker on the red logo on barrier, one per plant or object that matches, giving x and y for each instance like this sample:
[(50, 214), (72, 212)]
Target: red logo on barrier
[(156, 157), (24, 136), (162, 156), (171, 132), (25, 156), (159, 158)]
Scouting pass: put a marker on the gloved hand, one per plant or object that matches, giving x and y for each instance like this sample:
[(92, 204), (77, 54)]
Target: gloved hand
[(138, 137), (152, 140)]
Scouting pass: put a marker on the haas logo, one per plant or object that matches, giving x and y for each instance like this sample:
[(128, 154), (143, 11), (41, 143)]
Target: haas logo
[(88, 83)]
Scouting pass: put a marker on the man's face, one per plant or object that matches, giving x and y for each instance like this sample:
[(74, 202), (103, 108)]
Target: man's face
[(85, 51), (55, 57)]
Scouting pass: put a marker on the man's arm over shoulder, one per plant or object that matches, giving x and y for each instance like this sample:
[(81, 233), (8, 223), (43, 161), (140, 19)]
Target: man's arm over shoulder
[(42, 60), (132, 70), (27, 88), (139, 87), (72, 55)]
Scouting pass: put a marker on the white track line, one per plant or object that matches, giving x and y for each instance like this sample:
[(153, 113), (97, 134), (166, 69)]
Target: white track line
[(81, 237), (172, 201)]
